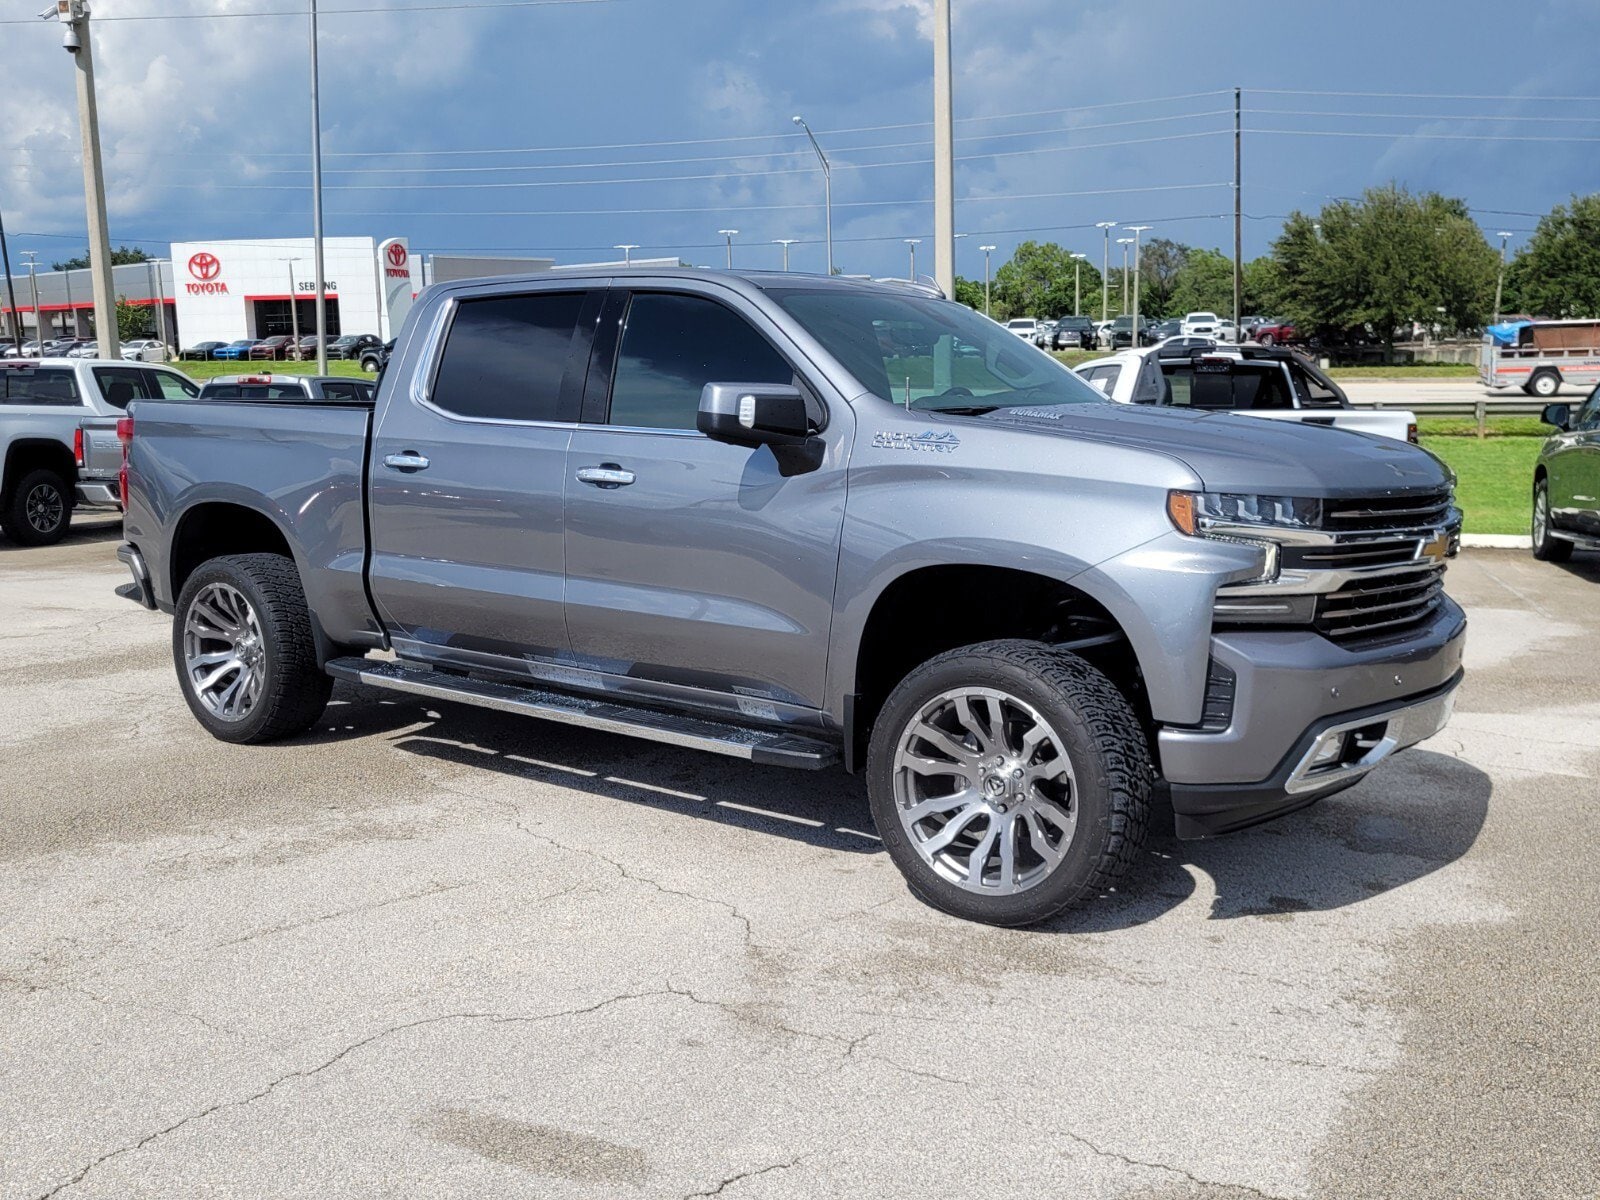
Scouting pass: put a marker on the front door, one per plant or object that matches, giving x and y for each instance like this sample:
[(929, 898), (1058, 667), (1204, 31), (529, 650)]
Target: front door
[(467, 475), (696, 569), (1583, 465)]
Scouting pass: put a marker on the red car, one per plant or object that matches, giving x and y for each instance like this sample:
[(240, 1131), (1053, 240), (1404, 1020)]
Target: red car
[(271, 348), (1276, 333)]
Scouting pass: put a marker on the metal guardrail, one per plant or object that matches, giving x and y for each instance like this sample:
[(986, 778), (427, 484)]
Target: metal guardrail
[(1492, 406)]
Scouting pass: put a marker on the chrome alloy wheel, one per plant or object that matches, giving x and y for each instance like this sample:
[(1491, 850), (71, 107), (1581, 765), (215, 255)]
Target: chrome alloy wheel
[(45, 507), (1541, 516), (224, 654), (985, 791)]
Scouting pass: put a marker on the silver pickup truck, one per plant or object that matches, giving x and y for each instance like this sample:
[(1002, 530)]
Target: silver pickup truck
[(807, 521), (58, 447)]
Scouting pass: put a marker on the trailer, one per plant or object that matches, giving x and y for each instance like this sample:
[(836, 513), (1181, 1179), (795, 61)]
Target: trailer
[(1540, 356)]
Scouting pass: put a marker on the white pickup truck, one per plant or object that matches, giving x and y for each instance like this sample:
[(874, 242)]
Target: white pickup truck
[(58, 447), (1273, 383)]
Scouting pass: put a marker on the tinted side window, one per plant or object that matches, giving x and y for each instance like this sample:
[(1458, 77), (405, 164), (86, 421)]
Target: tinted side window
[(672, 346), (506, 355), (122, 385), (47, 386)]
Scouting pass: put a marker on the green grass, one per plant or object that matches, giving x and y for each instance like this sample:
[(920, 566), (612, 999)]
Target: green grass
[(1418, 371), (1494, 479), (210, 370), (1494, 427)]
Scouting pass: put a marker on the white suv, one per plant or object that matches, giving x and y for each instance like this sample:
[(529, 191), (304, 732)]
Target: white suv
[(1024, 327), (1201, 324)]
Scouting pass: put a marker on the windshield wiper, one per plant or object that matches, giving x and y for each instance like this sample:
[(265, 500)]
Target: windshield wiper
[(971, 410)]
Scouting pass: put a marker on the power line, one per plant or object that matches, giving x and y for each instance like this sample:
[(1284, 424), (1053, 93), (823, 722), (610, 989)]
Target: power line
[(1424, 96), (1447, 137), (1290, 112)]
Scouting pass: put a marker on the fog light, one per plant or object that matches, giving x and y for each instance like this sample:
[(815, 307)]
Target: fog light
[(1328, 750)]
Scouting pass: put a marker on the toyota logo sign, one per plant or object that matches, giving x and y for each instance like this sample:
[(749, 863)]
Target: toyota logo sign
[(204, 266), (397, 255)]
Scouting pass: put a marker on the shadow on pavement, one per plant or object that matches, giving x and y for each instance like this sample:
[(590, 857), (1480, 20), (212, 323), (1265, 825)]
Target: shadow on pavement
[(1584, 565), (78, 534)]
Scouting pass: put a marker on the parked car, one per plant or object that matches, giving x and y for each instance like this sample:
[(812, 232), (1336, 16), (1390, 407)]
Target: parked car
[(1073, 333), (350, 345), (202, 351), (47, 408), (234, 350), (144, 350), (1566, 482), (1276, 384), (82, 348), (1122, 332), (1170, 328), (1023, 327), (1042, 333), (287, 387), (1276, 333), (1249, 325), (1173, 599), (1202, 324), (274, 347), (375, 358)]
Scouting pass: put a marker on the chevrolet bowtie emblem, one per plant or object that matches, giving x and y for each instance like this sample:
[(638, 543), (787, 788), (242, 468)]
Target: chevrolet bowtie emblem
[(1437, 547)]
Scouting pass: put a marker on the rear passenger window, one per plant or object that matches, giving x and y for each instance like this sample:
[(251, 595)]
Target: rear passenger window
[(122, 385), (672, 346), (506, 355)]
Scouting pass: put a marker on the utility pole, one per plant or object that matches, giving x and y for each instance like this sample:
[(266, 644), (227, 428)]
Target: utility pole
[(914, 243), (827, 187), (316, 202), (1499, 284), (1105, 227), (74, 14), (944, 156), (986, 252), (1238, 215), (1077, 284), (785, 243), (11, 288), (1124, 243), (294, 306), (728, 233), (1136, 231)]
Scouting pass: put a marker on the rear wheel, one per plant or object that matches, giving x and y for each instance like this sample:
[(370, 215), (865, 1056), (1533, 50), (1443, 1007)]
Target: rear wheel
[(39, 509), (243, 647), (1544, 383), (1267, 339), (1546, 546), (1009, 781)]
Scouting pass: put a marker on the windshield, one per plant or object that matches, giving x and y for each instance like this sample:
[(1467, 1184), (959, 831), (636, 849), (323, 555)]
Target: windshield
[(932, 355)]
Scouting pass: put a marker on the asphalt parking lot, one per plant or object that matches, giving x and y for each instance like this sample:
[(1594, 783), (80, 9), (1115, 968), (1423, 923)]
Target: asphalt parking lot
[(435, 951)]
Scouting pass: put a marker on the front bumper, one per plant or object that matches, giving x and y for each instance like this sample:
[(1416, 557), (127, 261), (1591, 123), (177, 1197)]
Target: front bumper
[(1309, 718)]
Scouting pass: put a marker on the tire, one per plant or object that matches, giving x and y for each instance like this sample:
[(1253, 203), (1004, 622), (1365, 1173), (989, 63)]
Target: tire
[(1091, 817), (1544, 384), (1267, 339), (39, 509), (249, 606), (1546, 546)]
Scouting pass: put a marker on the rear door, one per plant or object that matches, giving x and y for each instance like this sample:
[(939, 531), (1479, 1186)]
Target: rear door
[(695, 568), (467, 473)]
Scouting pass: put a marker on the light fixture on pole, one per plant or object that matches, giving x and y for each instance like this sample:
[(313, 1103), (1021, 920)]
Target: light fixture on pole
[(1077, 284), (785, 243), (1499, 284), (1124, 243), (627, 249), (913, 243), (1136, 230), (1105, 227), (987, 250), (827, 188), (728, 233)]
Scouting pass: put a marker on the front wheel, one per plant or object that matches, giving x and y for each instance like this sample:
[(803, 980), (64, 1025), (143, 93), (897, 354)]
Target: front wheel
[(1546, 546), (1009, 781), (242, 643), (39, 509)]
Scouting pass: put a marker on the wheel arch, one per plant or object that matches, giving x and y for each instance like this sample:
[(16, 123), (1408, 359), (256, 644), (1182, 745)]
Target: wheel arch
[(30, 453)]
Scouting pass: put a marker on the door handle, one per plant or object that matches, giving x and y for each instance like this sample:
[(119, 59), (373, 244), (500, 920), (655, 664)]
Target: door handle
[(409, 460), (606, 475)]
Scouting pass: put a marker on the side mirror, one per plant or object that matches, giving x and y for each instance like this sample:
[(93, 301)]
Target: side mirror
[(754, 414), (1559, 415)]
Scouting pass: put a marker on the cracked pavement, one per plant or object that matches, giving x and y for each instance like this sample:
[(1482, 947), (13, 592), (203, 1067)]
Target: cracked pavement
[(430, 950)]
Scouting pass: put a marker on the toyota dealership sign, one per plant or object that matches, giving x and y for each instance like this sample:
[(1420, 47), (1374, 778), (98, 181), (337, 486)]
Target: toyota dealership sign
[(205, 267), (394, 268)]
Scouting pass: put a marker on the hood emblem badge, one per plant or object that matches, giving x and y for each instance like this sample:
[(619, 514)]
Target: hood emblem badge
[(929, 441)]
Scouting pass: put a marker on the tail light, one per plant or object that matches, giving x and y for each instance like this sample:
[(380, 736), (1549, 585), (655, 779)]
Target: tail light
[(77, 446), (125, 436), (1411, 433)]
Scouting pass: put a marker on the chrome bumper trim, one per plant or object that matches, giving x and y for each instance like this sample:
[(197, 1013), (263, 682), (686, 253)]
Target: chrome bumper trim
[(1405, 726)]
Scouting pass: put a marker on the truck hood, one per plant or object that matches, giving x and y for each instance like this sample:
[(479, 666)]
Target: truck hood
[(1233, 452)]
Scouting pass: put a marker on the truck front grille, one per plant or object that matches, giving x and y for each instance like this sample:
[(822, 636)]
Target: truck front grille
[(1386, 514), (1380, 607)]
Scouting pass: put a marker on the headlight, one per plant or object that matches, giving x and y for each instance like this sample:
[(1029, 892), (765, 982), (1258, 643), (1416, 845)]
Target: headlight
[(1199, 513)]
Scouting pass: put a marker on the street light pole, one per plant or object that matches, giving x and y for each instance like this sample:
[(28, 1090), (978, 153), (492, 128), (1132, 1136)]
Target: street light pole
[(785, 243), (1124, 243), (1499, 284), (1105, 227), (11, 288), (1077, 284), (827, 187), (913, 243), (1137, 230), (627, 249), (316, 202), (728, 233), (161, 302), (33, 283), (294, 306), (986, 251), (944, 186)]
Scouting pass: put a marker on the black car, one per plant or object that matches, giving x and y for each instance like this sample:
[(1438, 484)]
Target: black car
[(351, 345), (1170, 328), (1122, 333), (1073, 333), (201, 351), (376, 358)]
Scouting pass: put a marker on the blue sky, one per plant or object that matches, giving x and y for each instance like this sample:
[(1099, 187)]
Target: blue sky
[(684, 107)]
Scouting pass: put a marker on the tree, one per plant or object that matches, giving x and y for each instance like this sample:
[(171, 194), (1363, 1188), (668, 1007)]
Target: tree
[(1558, 272), (969, 292), (120, 257), (1204, 283), (133, 320), (1160, 261), (1037, 281), (1383, 262)]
